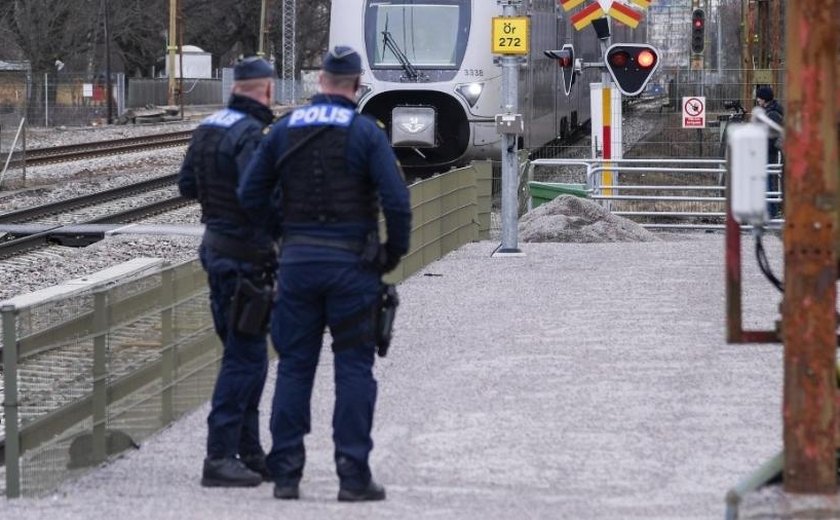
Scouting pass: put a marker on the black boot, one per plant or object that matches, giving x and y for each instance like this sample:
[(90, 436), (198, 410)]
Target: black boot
[(228, 472), (290, 492), (256, 463), (372, 492)]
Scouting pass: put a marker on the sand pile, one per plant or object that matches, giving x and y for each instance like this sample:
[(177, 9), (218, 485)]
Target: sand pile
[(571, 219)]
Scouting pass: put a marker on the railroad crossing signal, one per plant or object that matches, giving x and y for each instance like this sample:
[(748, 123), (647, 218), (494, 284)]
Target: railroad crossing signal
[(565, 60), (631, 66), (698, 28)]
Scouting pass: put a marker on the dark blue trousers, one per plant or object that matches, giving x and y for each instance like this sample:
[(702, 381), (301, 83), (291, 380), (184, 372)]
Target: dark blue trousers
[(233, 423), (310, 297)]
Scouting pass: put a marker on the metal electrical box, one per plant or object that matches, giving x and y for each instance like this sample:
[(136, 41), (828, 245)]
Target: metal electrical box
[(510, 124), (748, 168)]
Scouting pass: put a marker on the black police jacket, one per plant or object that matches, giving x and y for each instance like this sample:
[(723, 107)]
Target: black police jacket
[(218, 154)]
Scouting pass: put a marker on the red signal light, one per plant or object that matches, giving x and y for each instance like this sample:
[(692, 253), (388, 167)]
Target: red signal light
[(698, 24), (646, 59), (565, 59), (619, 59)]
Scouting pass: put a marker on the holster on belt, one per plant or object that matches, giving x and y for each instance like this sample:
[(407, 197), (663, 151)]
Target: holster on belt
[(389, 301), (251, 306)]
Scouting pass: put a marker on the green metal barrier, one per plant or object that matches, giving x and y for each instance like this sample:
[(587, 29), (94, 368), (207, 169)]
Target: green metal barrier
[(543, 192)]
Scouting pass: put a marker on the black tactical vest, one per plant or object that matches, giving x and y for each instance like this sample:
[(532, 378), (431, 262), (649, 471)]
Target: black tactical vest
[(216, 174), (317, 184)]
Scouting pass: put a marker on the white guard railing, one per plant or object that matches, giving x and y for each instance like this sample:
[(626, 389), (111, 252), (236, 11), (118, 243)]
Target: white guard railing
[(659, 193)]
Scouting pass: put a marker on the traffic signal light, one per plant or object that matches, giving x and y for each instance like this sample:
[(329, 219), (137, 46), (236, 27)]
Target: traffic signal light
[(631, 65), (698, 27), (565, 60)]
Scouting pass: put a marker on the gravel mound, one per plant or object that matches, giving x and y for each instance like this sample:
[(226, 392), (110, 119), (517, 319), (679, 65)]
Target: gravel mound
[(572, 219)]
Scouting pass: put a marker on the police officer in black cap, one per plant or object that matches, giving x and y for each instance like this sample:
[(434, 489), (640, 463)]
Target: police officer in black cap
[(240, 262), (323, 173)]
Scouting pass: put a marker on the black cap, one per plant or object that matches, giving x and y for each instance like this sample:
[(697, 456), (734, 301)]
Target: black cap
[(252, 67), (765, 93), (341, 60)]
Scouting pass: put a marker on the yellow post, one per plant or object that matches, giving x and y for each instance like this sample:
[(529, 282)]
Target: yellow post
[(171, 47)]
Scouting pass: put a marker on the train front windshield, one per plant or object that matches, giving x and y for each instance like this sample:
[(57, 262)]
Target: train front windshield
[(430, 33)]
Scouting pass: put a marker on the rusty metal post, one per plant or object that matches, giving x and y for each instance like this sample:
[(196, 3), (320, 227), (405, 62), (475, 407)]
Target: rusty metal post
[(748, 28), (809, 308)]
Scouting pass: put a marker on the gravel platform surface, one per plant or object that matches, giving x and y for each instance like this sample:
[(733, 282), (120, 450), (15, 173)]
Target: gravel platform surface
[(581, 381)]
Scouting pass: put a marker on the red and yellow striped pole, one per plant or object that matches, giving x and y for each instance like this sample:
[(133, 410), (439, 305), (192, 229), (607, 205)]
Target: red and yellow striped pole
[(606, 136)]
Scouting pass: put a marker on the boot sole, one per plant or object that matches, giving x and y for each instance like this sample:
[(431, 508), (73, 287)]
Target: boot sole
[(287, 496), (360, 498), (212, 482)]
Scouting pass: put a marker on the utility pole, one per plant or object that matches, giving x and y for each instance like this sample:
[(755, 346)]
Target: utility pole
[(289, 51), (748, 26), (171, 48), (263, 8), (809, 315), (510, 39), (761, 49), (109, 87), (181, 58)]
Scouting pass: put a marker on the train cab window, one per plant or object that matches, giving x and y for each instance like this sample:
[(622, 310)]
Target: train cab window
[(428, 34)]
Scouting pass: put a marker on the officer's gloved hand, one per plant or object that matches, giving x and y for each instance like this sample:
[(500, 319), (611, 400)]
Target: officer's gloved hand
[(388, 259)]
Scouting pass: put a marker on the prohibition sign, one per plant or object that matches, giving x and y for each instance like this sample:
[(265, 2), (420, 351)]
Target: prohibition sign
[(693, 107)]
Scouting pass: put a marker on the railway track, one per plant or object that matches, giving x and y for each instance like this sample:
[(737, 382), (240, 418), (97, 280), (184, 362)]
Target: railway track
[(74, 152), (28, 243), (64, 206), (13, 246)]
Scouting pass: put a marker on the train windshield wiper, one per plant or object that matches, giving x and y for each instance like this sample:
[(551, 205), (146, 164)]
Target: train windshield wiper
[(411, 72)]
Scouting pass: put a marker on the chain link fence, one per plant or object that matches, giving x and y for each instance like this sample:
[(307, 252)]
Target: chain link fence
[(55, 99), (652, 123)]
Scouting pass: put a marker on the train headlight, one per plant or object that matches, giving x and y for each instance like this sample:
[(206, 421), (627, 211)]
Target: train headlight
[(470, 92), (364, 90)]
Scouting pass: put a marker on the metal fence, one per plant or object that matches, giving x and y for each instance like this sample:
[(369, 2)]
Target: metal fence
[(657, 193), (652, 123), (92, 369), (143, 92), (95, 366), (285, 92), (58, 99)]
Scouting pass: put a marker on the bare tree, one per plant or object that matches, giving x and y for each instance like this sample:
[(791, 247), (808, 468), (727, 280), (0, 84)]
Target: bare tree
[(46, 30), (138, 33), (222, 26)]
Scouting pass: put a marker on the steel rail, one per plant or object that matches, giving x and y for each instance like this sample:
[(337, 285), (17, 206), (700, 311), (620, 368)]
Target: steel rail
[(37, 240), (56, 154), (29, 214)]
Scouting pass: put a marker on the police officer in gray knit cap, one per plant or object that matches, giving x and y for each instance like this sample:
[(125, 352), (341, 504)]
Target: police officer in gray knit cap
[(239, 261), (324, 172)]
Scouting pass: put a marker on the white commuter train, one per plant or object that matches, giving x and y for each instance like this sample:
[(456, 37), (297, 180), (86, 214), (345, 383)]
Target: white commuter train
[(430, 77)]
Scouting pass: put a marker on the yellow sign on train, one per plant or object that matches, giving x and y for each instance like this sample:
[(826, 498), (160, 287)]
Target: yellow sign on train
[(511, 35)]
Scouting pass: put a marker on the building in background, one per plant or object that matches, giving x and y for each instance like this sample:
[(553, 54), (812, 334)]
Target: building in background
[(197, 63)]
